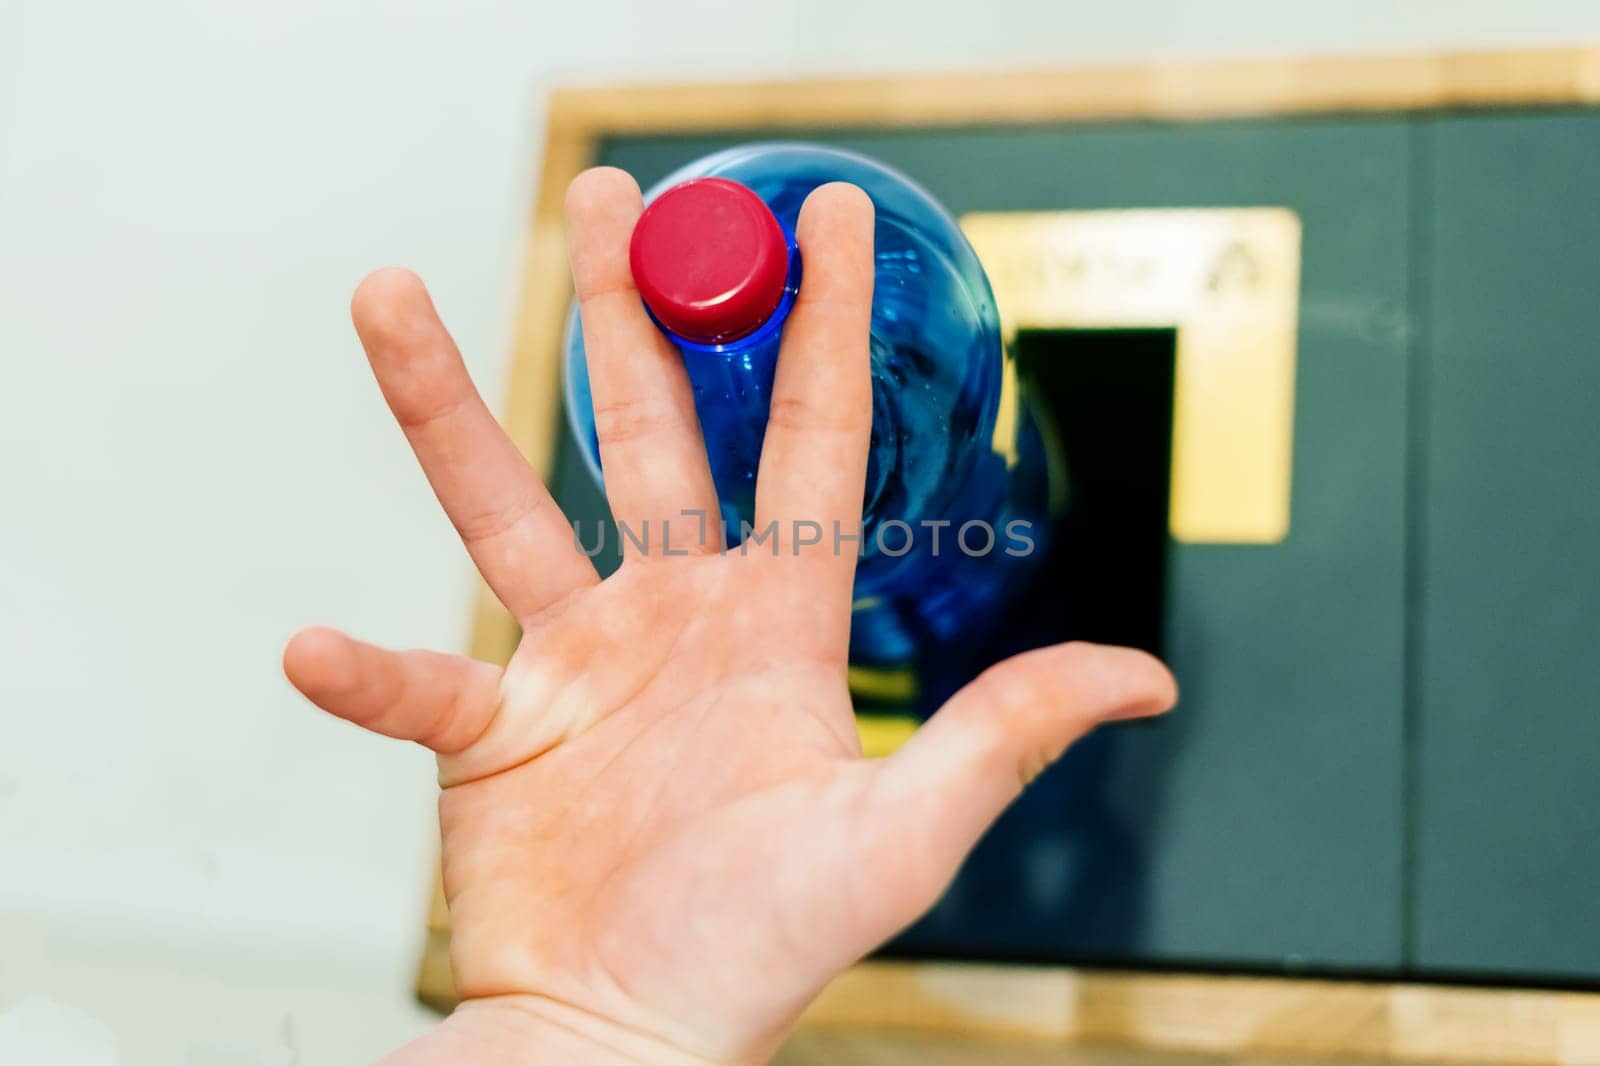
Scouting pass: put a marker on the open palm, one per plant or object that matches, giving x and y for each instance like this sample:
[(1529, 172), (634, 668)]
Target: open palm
[(660, 837)]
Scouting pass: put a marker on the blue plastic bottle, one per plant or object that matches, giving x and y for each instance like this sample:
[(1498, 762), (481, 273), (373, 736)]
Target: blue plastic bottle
[(953, 512)]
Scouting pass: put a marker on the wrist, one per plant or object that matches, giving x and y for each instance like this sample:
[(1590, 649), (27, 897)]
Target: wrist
[(514, 1030)]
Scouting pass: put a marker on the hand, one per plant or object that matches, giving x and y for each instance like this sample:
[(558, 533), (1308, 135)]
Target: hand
[(660, 838)]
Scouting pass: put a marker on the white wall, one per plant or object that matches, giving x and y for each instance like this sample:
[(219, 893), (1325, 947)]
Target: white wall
[(195, 461)]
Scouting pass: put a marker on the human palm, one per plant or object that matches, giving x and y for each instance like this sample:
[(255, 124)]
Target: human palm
[(660, 838)]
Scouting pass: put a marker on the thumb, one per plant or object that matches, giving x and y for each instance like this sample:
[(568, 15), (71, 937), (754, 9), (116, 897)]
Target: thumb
[(941, 791)]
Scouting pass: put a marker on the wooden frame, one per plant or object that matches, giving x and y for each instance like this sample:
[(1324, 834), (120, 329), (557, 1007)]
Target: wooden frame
[(1201, 1012)]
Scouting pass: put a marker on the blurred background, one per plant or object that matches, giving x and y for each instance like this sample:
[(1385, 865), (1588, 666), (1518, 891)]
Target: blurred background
[(196, 461)]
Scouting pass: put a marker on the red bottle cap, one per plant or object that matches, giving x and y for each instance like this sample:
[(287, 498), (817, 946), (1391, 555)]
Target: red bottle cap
[(710, 259)]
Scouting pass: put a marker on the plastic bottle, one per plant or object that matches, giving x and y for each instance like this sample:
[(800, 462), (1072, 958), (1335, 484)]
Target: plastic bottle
[(953, 513)]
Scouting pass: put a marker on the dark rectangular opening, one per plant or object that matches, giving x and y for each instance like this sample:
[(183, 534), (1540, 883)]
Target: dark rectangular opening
[(1103, 398)]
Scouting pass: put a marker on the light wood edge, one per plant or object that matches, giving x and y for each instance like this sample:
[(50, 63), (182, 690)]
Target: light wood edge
[(1188, 1012), (1161, 91), (1273, 1015), (1198, 1012)]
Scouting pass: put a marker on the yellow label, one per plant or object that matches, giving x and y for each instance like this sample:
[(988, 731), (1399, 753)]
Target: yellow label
[(883, 685), (1228, 281), (882, 734)]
